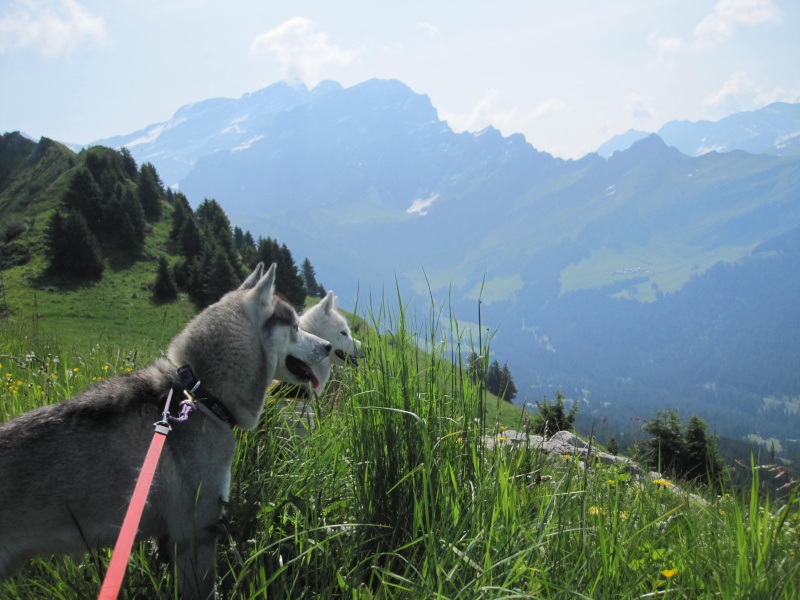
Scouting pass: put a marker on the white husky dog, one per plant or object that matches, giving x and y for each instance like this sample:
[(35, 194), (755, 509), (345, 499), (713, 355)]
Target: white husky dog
[(325, 321), (67, 471)]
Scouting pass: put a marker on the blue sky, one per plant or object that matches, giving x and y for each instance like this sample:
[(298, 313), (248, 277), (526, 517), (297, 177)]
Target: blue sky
[(568, 75)]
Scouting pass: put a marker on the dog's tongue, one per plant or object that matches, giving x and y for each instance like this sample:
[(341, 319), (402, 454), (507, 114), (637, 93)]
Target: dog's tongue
[(314, 381)]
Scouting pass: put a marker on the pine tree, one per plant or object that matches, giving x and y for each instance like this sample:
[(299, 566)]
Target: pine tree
[(73, 249), (126, 207), (493, 378), (310, 279), (552, 418), (128, 164), (248, 251), (84, 196), (214, 223), (220, 277), (667, 446), (508, 389), (267, 251), (164, 287), (191, 243), (290, 283), (182, 211), (151, 191)]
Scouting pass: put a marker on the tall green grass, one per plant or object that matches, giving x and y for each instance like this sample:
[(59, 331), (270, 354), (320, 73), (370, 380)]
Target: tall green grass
[(396, 495)]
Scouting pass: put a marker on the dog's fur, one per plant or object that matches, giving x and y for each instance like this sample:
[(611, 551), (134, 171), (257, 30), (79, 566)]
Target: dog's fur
[(325, 321), (67, 471)]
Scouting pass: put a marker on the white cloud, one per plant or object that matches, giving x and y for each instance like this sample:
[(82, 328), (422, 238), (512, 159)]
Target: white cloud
[(549, 107), (638, 107), (55, 27), (718, 27), (740, 92), (737, 85), (431, 30), (779, 94), (300, 49), (484, 113)]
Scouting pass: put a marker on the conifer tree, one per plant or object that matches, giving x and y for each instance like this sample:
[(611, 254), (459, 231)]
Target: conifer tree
[(128, 164), (310, 280), (164, 287), (151, 191), (267, 251), (248, 251), (73, 249), (220, 278), (508, 389), (290, 282), (493, 378), (84, 196), (553, 418), (190, 240), (688, 453), (667, 446), (182, 210), (214, 223), (126, 210)]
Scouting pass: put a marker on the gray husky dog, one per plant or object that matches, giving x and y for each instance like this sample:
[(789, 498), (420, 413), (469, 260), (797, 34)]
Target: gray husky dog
[(67, 471)]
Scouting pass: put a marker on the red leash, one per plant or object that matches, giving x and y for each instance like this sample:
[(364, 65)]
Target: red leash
[(122, 550)]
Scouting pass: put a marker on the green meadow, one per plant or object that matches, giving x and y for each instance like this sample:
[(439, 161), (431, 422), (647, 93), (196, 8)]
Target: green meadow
[(396, 493)]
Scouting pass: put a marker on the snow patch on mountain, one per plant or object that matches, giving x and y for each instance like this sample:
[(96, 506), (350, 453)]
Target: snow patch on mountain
[(420, 205), (245, 145), (153, 134)]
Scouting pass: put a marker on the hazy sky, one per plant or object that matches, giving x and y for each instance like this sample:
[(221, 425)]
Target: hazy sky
[(567, 74)]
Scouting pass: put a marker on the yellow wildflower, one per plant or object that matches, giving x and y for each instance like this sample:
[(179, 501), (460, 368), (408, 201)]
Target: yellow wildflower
[(596, 511), (669, 573), (501, 439), (75, 369), (662, 482), (105, 367)]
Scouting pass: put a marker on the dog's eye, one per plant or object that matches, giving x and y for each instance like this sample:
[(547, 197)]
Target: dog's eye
[(344, 333)]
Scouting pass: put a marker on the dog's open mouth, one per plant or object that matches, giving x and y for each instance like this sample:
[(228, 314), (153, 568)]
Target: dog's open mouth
[(346, 358), (301, 370)]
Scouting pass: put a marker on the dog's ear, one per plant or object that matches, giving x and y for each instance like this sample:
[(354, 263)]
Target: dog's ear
[(263, 292), (253, 278), (328, 302)]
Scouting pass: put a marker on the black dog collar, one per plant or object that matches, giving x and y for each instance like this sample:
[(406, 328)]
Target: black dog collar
[(201, 395)]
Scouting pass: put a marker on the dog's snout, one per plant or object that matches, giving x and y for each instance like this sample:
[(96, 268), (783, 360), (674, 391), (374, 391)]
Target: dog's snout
[(328, 348)]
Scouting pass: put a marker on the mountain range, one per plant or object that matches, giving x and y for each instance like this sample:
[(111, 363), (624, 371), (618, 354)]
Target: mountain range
[(773, 129), (647, 278)]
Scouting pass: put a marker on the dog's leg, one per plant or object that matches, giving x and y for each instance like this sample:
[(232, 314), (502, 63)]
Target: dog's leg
[(195, 559), (9, 563)]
